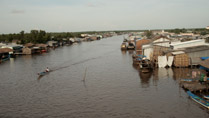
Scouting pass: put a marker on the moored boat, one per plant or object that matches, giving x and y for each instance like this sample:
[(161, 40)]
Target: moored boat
[(131, 46), (123, 46), (145, 65), (42, 73), (198, 99), (206, 96)]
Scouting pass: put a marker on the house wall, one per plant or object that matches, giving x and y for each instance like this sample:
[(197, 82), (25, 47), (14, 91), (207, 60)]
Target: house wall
[(195, 56), (148, 52), (203, 53), (26, 51)]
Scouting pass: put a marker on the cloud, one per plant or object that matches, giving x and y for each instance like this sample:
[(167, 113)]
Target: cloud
[(16, 11)]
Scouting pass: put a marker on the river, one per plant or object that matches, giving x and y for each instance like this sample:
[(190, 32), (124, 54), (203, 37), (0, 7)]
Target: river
[(91, 80)]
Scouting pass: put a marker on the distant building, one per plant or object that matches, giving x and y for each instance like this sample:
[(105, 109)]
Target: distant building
[(207, 27), (52, 43)]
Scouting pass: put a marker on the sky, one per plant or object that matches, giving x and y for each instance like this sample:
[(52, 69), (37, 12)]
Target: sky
[(101, 15)]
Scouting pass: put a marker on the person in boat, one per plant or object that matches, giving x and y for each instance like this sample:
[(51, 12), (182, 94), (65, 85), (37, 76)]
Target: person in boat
[(47, 69)]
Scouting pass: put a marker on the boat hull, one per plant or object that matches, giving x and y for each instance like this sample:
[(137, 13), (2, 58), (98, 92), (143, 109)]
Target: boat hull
[(198, 99), (42, 73)]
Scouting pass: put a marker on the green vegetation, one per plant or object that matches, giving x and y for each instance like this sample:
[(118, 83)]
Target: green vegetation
[(40, 36), (201, 31), (148, 34), (36, 36)]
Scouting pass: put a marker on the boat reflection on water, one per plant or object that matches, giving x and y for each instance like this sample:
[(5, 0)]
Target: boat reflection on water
[(155, 75), (135, 66), (130, 52), (123, 52), (145, 78)]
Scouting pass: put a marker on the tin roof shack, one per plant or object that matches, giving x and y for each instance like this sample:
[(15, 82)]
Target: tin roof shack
[(28, 49), (156, 48), (31, 50), (160, 45), (43, 47), (16, 48), (5, 54), (95, 37), (52, 44)]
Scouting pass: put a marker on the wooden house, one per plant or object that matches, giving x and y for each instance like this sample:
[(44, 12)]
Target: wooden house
[(43, 47), (52, 43), (5, 54), (27, 51)]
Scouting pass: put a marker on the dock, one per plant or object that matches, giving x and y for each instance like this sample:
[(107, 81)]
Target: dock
[(195, 86)]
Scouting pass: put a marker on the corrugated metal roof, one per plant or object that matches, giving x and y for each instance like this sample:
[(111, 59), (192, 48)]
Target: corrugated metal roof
[(183, 43)]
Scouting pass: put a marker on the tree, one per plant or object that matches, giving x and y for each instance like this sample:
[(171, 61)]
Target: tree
[(177, 31), (149, 34)]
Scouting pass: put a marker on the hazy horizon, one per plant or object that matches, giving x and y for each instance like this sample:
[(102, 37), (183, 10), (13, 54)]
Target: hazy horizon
[(100, 15)]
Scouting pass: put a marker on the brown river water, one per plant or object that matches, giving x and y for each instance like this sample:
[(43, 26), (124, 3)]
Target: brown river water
[(113, 87)]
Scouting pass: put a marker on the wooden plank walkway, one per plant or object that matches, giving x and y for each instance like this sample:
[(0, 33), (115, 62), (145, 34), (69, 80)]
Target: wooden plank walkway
[(194, 86)]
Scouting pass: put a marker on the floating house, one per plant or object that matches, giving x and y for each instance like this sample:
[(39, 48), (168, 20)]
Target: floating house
[(34, 48), (5, 54), (52, 43), (156, 48), (15, 48), (28, 49), (43, 47)]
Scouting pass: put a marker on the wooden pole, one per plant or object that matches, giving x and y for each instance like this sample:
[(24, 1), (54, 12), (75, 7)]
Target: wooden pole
[(84, 78)]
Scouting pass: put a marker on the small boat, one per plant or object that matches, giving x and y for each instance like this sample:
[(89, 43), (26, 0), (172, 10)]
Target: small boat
[(123, 46), (145, 65), (43, 51), (199, 100), (42, 73), (206, 96), (130, 46), (187, 80)]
